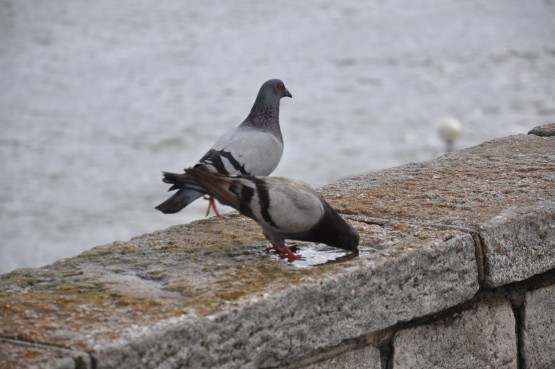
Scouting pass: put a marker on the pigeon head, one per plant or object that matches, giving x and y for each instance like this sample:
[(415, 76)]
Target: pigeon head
[(334, 231), (275, 87), (353, 239), (265, 111), (346, 238)]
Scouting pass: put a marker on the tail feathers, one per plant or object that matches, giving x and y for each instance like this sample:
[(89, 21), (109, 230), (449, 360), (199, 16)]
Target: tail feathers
[(188, 191), (178, 201), (180, 180), (217, 185)]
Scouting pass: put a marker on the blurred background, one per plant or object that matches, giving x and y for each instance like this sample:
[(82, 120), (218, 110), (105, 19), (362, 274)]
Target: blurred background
[(97, 98)]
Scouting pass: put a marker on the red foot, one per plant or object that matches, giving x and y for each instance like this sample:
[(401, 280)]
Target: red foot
[(212, 206), (285, 252), (293, 248)]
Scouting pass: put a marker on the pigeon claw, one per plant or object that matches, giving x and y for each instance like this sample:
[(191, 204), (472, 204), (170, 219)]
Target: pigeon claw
[(286, 252), (293, 248), (212, 206)]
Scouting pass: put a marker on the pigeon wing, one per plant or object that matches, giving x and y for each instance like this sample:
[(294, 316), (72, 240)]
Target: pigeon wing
[(244, 151), (287, 205)]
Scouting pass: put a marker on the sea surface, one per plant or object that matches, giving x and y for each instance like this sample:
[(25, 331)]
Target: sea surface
[(97, 98)]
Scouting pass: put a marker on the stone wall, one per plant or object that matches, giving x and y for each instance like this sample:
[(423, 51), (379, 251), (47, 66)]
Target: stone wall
[(456, 270)]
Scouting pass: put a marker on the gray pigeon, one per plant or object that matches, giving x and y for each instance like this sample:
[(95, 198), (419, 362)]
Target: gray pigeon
[(285, 208), (253, 148)]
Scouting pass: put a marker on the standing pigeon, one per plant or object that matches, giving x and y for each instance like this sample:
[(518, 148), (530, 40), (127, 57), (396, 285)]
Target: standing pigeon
[(253, 148), (285, 208)]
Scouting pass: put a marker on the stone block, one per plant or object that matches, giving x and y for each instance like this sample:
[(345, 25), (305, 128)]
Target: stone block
[(538, 329), (503, 190), (519, 243), (21, 355), (364, 358), (481, 337)]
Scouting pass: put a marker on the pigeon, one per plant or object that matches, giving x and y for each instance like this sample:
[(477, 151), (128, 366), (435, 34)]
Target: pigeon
[(254, 147), (285, 208)]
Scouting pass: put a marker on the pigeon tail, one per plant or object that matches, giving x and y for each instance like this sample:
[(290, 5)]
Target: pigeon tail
[(178, 201), (188, 191), (216, 185)]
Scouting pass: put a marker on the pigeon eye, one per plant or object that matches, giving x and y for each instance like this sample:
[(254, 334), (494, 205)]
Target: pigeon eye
[(281, 86)]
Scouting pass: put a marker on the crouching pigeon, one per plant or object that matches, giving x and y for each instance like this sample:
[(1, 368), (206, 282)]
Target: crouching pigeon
[(285, 208), (253, 148)]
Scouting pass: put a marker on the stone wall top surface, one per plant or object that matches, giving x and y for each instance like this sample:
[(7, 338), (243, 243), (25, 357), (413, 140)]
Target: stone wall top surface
[(183, 283), (504, 190), (464, 188)]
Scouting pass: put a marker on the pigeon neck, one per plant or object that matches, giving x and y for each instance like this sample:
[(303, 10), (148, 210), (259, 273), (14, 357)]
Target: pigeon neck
[(265, 114)]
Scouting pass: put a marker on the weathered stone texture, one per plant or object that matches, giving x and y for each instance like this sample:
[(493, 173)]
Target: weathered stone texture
[(161, 299), (481, 337), (519, 243), (365, 358), (16, 355), (512, 177), (538, 329)]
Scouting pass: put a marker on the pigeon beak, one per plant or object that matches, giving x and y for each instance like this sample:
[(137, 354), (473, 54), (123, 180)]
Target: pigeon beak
[(287, 93)]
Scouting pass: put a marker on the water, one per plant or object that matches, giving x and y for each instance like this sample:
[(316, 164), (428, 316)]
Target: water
[(98, 98), (315, 255)]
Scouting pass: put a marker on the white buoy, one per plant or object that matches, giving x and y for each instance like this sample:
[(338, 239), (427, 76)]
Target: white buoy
[(449, 129)]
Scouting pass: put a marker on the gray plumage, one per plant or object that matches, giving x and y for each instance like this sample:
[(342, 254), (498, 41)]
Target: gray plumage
[(254, 147), (285, 208)]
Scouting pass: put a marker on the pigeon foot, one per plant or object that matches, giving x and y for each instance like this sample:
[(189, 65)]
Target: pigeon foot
[(212, 206), (285, 252), (293, 248)]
